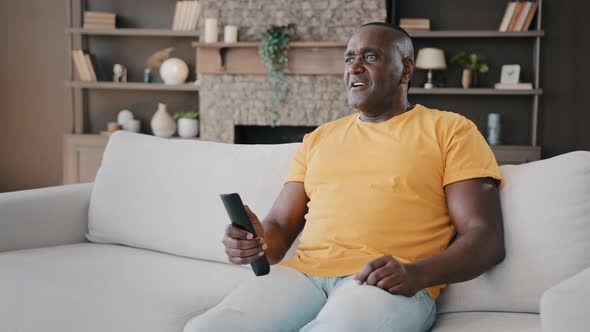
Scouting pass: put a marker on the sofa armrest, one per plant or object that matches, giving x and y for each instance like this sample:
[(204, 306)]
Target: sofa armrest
[(565, 307), (44, 217)]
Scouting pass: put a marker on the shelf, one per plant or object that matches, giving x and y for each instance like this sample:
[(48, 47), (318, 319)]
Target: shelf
[(473, 91), (255, 44), (476, 34), (132, 86), (133, 32)]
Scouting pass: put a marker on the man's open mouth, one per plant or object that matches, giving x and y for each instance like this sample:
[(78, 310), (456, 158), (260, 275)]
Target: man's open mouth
[(357, 84)]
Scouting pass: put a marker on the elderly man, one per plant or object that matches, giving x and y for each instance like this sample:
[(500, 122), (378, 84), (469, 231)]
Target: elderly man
[(392, 203)]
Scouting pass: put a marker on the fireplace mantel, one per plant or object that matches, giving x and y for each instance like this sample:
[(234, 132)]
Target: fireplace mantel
[(305, 58)]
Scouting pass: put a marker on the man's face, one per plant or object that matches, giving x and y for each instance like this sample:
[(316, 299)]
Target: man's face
[(373, 69)]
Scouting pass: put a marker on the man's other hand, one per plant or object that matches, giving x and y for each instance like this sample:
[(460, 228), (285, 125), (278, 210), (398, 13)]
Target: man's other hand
[(389, 274), (242, 247)]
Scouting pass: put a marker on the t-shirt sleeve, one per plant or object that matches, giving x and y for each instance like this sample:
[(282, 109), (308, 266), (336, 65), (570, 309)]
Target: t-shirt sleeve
[(298, 166), (468, 155)]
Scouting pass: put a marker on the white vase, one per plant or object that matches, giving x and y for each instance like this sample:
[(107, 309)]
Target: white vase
[(163, 124), (173, 71), (188, 128)]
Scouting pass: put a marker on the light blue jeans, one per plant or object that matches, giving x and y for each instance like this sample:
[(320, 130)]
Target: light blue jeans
[(287, 300)]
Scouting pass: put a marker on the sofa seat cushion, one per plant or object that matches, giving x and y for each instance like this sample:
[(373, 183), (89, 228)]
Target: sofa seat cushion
[(97, 287), (487, 322)]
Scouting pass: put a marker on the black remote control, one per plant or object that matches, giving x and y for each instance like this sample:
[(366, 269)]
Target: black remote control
[(239, 218)]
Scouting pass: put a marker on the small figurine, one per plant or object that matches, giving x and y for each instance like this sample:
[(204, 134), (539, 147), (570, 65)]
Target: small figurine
[(119, 73)]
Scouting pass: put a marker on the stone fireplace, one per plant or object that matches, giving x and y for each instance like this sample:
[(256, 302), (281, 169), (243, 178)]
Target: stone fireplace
[(229, 102)]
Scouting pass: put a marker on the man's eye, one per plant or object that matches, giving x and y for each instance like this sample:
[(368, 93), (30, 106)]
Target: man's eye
[(349, 60), (370, 58)]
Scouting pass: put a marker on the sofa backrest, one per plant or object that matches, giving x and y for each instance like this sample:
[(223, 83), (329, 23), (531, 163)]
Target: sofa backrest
[(546, 210), (163, 194)]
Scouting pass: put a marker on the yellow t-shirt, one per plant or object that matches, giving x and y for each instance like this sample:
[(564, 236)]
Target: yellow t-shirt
[(377, 188)]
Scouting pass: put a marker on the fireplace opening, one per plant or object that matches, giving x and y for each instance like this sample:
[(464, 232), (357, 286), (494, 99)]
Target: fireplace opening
[(270, 135)]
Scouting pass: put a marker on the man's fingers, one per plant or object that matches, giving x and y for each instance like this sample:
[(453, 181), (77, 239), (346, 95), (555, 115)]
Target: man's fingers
[(397, 289), (232, 243), (237, 233), (244, 260), (379, 274), (387, 282), (231, 252), (362, 276)]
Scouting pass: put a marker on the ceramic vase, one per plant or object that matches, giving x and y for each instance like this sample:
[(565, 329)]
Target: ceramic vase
[(173, 71), (469, 78), (188, 128), (163, 124)]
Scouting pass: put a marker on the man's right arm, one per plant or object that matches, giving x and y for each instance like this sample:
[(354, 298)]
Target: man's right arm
[(276, 233), (285, 220)]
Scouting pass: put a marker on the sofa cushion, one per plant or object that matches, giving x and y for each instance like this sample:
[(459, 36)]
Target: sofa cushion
[(546, 209), (163, 194), (98, 287), (487, 322)]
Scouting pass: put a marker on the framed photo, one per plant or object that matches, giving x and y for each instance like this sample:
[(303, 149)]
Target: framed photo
[(510, 74)]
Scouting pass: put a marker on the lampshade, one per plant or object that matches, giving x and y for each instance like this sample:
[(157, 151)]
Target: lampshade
[(431, 58)]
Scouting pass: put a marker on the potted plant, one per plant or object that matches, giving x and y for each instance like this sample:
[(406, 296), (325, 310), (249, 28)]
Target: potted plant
[(188, 122), (472, 64), (274, 53)]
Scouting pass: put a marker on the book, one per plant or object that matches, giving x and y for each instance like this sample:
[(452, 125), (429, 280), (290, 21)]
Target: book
[(78, 66), (195, 15), (516, 15), (522, 16), (510, 7), (99, 14), (189, 17), (415, 24), (516, 86), (183, 14), (175, 19), (81, 62), (530, 16), (90, 67)]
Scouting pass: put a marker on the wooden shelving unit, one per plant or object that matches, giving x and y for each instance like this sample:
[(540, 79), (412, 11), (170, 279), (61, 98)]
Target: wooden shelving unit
[(132, 32), (132, 86), (476, 34)]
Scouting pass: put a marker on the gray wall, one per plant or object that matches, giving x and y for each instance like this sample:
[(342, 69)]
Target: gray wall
[(34, 114)]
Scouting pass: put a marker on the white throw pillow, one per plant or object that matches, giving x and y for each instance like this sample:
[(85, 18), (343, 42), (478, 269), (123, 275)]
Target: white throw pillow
[(163, 194), (546, 209)]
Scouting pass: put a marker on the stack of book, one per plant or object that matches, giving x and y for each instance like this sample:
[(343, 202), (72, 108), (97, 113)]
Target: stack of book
[(518, 15), (84, 67), (415, 24), (99, 20), (186, 15)]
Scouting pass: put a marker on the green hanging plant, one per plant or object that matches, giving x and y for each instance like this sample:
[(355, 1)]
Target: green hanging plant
[(274, 52)]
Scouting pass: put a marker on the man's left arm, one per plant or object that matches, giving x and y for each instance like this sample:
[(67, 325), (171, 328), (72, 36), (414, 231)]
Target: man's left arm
[(474, 208)]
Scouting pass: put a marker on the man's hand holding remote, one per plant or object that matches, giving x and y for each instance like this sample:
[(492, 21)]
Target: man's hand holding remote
[(242, 247)]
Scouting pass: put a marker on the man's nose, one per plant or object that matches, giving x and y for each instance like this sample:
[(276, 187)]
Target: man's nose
[(357, 66)]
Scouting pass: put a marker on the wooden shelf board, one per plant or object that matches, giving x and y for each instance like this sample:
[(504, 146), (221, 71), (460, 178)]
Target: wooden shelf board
[(133, 32), (132, 86), (473, 91), (255, 44), (475, 34)]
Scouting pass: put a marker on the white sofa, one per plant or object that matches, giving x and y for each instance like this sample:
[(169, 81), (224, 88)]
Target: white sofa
[(155, 258)]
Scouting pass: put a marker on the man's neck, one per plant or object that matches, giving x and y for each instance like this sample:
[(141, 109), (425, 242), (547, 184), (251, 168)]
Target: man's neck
[(381, 116)]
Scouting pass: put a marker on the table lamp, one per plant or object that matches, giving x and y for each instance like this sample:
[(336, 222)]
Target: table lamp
[(431, 59)]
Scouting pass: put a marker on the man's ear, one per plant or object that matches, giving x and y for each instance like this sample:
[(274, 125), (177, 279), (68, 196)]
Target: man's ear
[(407, 71)]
